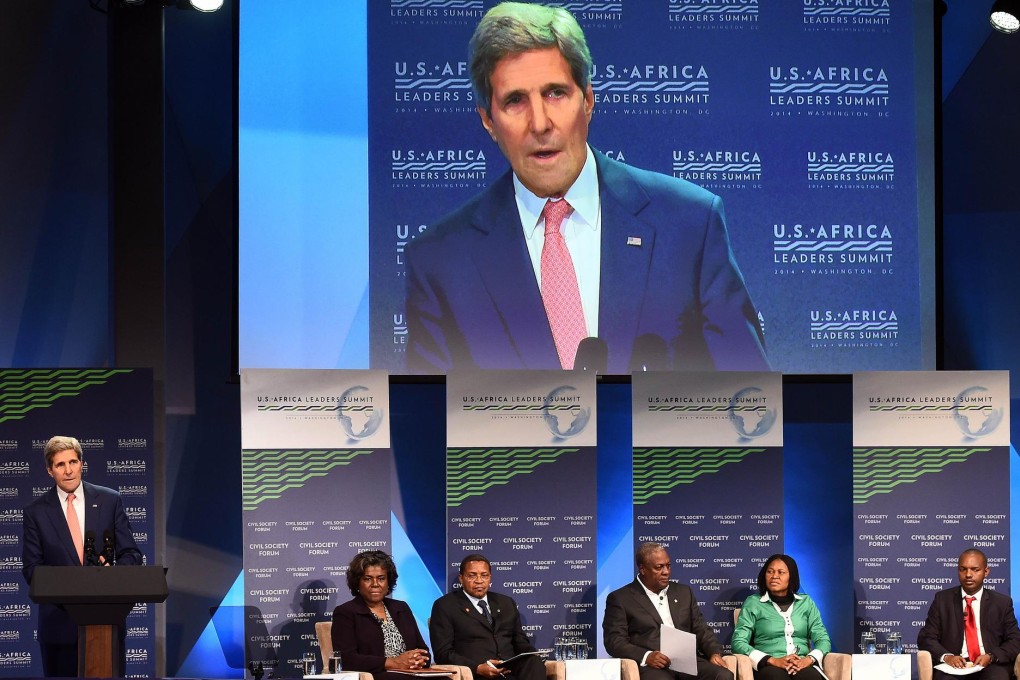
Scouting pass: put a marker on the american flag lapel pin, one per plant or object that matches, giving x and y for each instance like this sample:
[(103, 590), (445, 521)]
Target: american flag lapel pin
[(633, 240)]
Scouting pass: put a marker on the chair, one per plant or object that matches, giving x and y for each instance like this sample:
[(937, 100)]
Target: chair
[(836, 666), (324, 635), (924, 665)]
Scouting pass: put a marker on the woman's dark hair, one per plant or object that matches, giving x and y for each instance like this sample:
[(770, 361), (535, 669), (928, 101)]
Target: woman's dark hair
[(370, 558), (791, 566)]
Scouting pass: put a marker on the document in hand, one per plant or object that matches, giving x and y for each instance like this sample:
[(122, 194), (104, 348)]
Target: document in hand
[(537, 652), (682, 649)]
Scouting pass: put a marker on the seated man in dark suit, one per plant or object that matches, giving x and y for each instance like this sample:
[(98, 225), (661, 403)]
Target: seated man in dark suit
[(56, 525), (570, 243), (478, 628), (634, 613), (972, 625)]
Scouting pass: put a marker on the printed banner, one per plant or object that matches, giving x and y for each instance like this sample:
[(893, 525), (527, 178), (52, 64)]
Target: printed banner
[(520, 488), (708, 482), (920, 438), (109, 411), (802, 116), (316, 466)]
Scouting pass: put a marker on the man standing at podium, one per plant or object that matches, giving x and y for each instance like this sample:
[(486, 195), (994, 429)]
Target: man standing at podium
[(56, 526)]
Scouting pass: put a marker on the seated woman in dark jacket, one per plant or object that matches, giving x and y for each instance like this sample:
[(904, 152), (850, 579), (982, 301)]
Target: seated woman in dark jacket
[(779, 627), (373, 633)]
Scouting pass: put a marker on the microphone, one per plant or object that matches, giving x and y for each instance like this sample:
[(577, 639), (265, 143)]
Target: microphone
[(91, 558), (592, 355), (650, 353), (109, 552)]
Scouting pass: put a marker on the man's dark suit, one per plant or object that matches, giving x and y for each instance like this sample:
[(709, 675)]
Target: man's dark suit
[(359, 638), (460, 634), (630, 629), (942, 632), (47, 541), (667, 270)]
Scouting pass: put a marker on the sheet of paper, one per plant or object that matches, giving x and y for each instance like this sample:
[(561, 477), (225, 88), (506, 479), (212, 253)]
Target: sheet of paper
[(682, 649), (946, 668)]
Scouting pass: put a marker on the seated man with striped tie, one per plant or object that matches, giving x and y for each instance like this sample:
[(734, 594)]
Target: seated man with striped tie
[(56, 526), (570, 243), (972, 625), (480, 629)]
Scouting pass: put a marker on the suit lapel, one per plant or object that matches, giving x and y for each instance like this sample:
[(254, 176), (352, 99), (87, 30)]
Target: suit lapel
[(641, 601), (626, 253), (501, 257)]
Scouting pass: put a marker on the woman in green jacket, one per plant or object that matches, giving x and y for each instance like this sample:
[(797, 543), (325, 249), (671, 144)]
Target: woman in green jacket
[(781, 629)]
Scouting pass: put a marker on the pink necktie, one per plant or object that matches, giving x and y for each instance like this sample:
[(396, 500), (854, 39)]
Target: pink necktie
[(72, 524), (970, 631), (560, 294)]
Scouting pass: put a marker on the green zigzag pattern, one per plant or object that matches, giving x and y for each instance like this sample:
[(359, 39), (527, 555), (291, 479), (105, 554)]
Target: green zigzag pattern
[(266, 474), (471, 472), (930, 408), (658, 471), (878, 471), (23, 391)]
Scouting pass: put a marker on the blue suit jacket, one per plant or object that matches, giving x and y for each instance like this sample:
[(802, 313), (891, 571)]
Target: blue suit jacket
[(667, 270), (47, 541)]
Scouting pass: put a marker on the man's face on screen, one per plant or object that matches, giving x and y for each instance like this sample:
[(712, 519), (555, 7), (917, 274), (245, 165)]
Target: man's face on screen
[(65, 469), (539, 118)]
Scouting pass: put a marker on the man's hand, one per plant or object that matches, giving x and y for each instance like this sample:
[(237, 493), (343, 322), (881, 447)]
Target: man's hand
[(717, 660), (984, 660), (491, 669), (657, 660), (956, 661)]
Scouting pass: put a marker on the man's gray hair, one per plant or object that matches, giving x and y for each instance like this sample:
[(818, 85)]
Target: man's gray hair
[(57, 444), (645, 552), (516, 27)]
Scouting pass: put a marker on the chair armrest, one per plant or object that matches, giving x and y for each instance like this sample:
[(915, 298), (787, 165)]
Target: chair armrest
[(461, 672), (837, 666), (924, 665), (555, 670)]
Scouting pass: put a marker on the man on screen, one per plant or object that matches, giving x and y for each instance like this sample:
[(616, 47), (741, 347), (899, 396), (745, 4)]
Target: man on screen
[(972, 625), (60, 527), (636, 613), (570, 243)]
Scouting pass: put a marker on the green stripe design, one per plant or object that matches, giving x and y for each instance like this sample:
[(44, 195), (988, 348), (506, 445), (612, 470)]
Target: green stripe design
[(23, 391), (659, 470), (471, 472), (266, 474), (929, 409), (878, 471)]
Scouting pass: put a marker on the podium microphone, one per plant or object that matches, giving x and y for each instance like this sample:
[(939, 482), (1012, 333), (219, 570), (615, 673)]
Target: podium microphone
[(91, 558), (650, 354), (592, 355), (109, 553)]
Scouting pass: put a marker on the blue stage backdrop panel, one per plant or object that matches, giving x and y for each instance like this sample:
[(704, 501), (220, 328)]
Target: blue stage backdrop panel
[(708, 449), (918, 438), (109, 411), (520, 488), (316, 467)]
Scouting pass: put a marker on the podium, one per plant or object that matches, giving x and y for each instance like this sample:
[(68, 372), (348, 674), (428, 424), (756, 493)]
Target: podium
[(98, 600)]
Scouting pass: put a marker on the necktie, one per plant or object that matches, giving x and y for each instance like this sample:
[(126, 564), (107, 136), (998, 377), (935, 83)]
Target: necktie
[(485, 611), (970, 631), (75, 528), (560, 294)]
